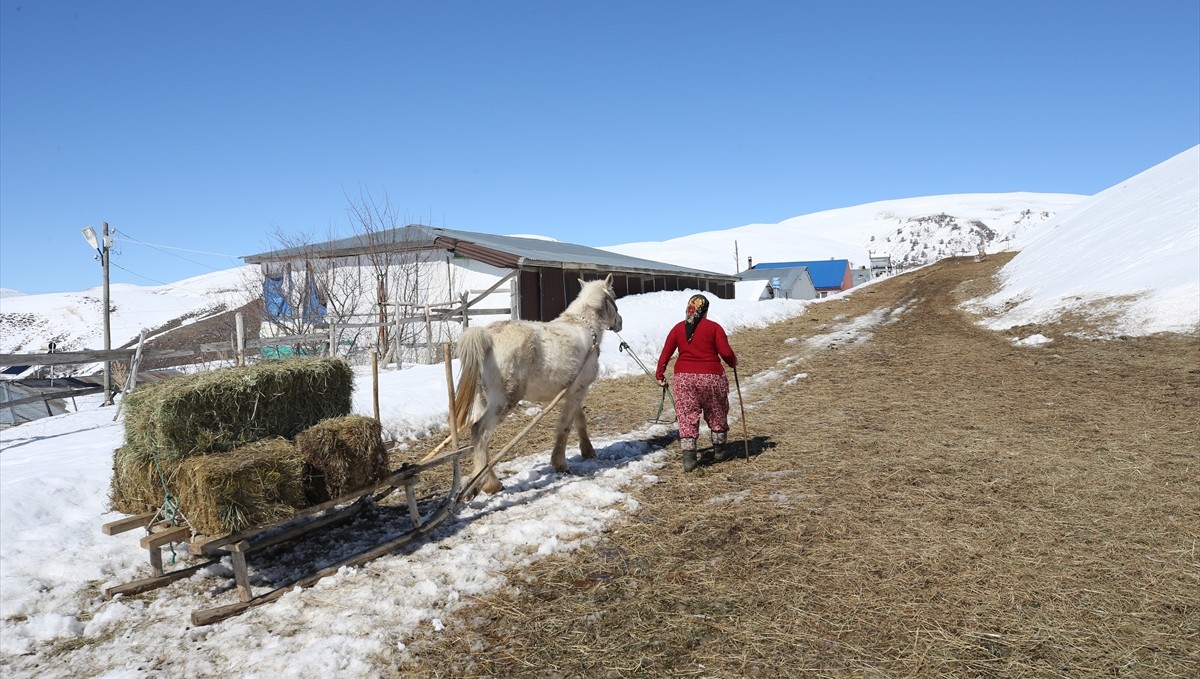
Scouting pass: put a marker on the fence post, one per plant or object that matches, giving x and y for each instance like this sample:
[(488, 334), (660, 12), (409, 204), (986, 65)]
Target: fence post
[(396, 349), (428, 338), (332, 341), (375, 382), (464, 311), (241, 338)]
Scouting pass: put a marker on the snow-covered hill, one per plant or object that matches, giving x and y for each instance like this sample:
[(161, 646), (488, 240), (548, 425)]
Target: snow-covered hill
[(913, 231), (75, 320), (1128, 257)]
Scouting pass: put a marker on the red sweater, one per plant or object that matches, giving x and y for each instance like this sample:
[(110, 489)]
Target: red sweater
[(703, 354)]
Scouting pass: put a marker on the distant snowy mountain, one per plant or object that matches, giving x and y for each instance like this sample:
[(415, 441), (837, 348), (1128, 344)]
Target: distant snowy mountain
[(8, 292), (913, 231)]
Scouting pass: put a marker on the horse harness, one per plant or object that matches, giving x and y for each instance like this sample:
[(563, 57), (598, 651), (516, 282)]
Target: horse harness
[(608, 301)]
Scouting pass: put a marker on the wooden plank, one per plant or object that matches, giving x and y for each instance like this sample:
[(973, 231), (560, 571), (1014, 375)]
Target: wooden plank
[(238, 557), (51, 396), (180, 534), (62, 357), (87, 356), (156, 562), (147, 584), (219, 613), (414, 512), (128, 523), (218, 545), (301, 529), (438, 448)]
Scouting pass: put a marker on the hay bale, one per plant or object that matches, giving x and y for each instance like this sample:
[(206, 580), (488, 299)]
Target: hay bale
[(343, 454), (222, 409), (256, 484), (136, 488)]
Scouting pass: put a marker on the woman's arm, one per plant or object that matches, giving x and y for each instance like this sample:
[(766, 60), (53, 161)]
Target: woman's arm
[(723, 349), (668, 351)]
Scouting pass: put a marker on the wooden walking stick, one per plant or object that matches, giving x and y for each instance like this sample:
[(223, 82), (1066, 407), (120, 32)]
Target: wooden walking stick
[(742, 405)]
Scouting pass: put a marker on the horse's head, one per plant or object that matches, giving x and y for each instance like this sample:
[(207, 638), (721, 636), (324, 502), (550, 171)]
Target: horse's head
[(602, 300)]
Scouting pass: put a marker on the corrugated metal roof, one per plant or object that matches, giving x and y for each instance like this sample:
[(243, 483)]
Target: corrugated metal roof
[(503, 251), (769, 272)]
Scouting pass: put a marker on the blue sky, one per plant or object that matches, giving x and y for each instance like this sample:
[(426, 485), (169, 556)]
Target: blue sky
[(199, 130)]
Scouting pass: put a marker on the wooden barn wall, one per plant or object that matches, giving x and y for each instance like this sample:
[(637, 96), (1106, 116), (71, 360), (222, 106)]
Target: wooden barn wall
[(546, 292), (529, 289)]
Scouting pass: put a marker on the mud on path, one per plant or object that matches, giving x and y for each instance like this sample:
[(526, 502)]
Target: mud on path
[(925, 499)]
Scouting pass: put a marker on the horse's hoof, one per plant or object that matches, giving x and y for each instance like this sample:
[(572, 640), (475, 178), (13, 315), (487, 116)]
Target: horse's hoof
[(493, 487)]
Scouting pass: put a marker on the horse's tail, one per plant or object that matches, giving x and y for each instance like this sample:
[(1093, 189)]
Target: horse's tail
[(474, 345)]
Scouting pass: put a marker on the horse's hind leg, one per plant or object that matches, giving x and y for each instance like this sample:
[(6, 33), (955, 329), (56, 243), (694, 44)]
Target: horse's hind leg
[(481, 434)]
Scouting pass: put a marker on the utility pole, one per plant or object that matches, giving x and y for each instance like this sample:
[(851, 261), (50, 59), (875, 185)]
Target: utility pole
[(102, 246), (107, 243)]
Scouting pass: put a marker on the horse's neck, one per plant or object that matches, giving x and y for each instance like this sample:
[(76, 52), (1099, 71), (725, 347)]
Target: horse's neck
[(592, 323)]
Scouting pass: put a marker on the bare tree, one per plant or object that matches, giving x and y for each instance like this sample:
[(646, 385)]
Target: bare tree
[(305, 291), (398, 264)]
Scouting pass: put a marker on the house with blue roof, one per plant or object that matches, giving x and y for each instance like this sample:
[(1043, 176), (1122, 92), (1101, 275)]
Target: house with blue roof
[(828, 276)]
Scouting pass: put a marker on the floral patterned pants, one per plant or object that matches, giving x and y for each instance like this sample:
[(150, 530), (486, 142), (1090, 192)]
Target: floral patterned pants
[(697, 394)]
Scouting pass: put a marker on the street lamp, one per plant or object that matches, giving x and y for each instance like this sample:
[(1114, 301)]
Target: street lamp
[(103, 246)]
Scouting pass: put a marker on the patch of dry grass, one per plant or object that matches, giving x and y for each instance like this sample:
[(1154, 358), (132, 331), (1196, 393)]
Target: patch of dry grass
[(933, 502)]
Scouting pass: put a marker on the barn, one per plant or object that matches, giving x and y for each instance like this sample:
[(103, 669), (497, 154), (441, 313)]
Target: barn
[(544, 273)]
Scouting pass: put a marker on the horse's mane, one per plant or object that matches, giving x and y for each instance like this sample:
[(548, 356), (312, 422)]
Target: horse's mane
[(591, 297)]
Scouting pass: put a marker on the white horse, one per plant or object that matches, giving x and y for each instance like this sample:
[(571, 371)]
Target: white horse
[(511, 361)]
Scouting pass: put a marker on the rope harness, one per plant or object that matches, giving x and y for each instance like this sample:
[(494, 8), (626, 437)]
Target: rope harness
[(662, 401)]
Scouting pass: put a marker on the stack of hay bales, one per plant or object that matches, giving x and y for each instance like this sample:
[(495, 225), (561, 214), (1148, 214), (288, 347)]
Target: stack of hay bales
[(220, 443)]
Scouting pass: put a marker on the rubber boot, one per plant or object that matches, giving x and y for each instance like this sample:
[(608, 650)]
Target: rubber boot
[(720, 450), (689, 453)]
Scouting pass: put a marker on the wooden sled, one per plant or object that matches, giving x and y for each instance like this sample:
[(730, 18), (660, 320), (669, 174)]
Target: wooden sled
[(241, 546)]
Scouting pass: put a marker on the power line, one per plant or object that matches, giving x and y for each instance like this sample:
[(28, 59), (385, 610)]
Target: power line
[(164, 249), (152, 280), (169, 247)]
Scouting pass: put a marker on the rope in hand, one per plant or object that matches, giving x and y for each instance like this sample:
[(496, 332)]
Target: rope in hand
[(624, 346)]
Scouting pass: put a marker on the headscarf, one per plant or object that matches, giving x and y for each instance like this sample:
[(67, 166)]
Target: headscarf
[(697, 308)]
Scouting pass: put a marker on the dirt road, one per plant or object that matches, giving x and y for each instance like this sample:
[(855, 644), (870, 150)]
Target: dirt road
[(925, 499)]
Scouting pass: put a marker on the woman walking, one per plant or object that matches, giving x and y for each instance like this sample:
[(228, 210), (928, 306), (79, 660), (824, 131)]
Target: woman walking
[(701, 387)]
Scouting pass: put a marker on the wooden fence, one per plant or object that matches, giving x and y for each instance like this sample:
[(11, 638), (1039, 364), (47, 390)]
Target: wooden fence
[(457, 312)]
